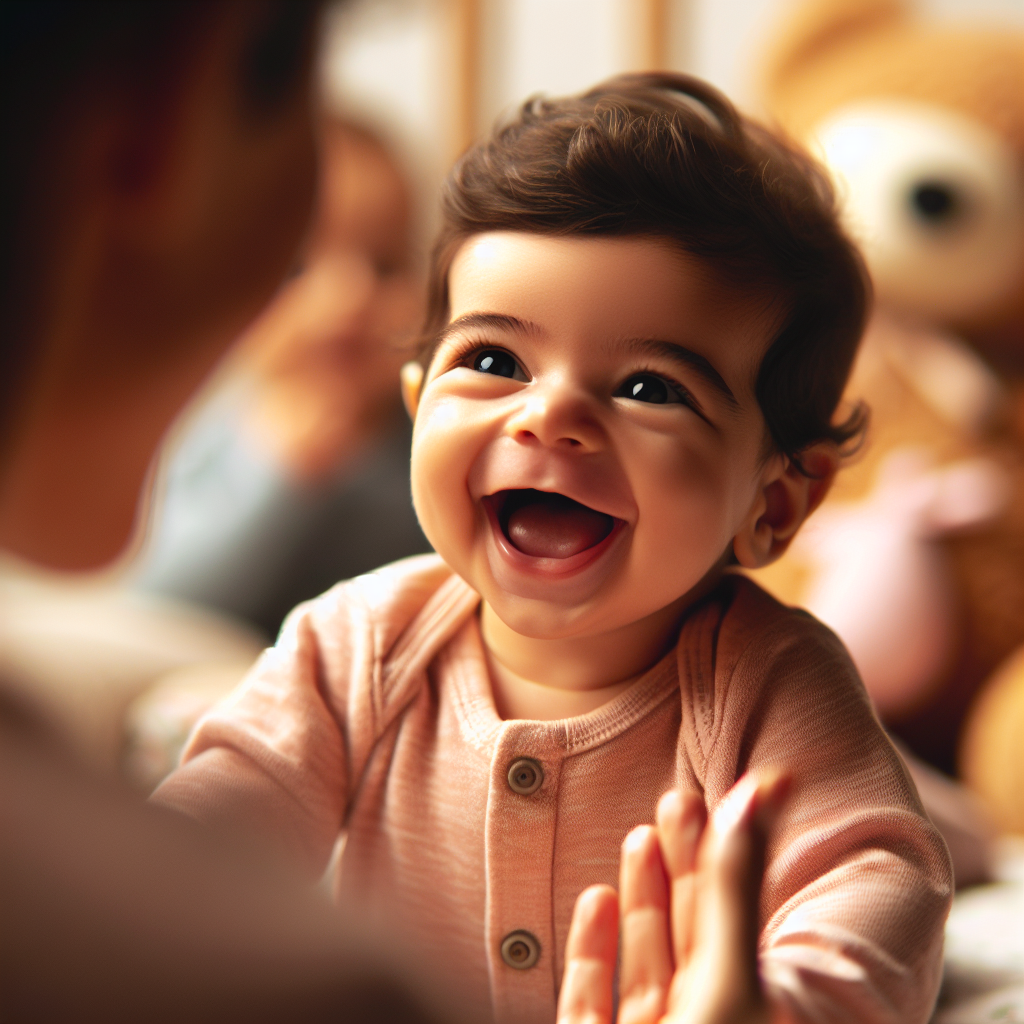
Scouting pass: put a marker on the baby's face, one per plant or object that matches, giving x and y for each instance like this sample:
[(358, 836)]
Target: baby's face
[(587, 440)]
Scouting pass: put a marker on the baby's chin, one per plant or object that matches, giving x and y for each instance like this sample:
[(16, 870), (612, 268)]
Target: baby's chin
[(540, 620), (615, 609)]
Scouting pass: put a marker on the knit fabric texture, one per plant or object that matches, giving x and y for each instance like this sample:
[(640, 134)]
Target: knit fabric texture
[(372, 717)]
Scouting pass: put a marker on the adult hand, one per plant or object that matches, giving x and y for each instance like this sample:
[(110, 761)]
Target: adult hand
[(688, 904)]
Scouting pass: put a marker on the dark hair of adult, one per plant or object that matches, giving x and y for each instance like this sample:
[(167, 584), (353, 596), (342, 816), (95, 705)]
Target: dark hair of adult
[(667, 156), (51, 53)]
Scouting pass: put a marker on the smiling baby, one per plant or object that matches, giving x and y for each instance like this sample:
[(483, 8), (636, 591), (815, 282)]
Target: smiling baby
[(642, 317)]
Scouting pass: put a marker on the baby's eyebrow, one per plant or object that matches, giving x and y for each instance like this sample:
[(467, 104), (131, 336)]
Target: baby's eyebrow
[(490, 321), (680, 354)]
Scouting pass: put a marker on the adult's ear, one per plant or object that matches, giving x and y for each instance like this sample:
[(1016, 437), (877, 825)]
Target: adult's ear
[(787, 496), (412, 382)]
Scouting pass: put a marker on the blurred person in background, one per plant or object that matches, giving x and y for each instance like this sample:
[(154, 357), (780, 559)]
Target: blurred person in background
[(156, 179), (294, 473)]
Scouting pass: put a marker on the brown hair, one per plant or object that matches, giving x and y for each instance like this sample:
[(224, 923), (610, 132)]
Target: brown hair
[(666, 155)]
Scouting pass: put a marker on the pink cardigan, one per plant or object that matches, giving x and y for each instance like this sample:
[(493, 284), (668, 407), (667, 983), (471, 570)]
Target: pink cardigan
[(373, 716)]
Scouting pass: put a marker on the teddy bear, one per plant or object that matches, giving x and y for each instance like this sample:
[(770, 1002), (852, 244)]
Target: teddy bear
[(916, 558)]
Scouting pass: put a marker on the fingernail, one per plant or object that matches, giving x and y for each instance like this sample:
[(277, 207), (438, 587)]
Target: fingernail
[(772, 791), (738, 804), (691, 828), (637, 839), (685, 809), (669, 805), (668, 808)]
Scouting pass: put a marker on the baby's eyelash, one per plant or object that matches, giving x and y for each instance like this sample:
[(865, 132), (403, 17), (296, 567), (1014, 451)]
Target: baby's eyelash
[(684, 393), (464, 346)]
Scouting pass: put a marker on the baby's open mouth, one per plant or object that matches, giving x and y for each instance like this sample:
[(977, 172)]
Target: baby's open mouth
[(547, 525)]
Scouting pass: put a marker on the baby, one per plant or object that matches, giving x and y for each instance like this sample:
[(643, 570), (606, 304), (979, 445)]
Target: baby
[(642, 318)]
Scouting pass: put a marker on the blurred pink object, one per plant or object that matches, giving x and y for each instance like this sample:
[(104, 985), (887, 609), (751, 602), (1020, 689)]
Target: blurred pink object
[(880, 581)]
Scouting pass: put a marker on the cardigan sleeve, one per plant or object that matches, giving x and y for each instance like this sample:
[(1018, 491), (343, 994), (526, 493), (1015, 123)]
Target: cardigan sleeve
[(280, 755), (857, 882)]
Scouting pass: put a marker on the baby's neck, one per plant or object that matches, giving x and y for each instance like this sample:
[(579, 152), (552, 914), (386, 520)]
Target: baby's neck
[(545, 679)]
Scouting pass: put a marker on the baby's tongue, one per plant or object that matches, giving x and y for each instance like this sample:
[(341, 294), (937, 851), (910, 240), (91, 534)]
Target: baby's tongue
[(553, 526)]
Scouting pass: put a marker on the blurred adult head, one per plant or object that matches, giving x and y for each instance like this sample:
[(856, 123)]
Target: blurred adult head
[(156, 179)]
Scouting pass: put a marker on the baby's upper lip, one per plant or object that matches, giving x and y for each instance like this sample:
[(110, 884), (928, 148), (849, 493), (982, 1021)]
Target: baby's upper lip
[(557, 483), (498, 498)]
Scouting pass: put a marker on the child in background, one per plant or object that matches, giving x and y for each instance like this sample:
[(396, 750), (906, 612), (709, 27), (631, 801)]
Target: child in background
[(642, 318), (295, 471)]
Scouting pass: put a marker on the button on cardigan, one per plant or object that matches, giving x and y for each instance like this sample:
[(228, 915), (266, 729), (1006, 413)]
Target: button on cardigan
[(373, 717)]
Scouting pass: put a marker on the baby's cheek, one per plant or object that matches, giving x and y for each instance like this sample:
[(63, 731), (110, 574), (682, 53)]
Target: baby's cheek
[(683, 540), (439, 482), (688, 473), (688, 507)]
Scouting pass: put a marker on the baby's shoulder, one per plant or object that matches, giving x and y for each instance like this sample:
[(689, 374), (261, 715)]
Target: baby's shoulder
[(742, 641), (389, 598), (755, 617), (383, 622), (758, 675)]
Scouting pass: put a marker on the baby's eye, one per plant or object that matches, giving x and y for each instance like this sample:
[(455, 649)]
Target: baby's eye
[(646, 387), (498, 362)]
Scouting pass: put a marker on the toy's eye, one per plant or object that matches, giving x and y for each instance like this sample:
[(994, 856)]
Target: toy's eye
[(646, 387), (935, 202), (935, 199), (496, 361)]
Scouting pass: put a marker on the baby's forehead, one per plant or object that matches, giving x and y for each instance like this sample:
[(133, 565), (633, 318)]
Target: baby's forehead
[(569, 260), (614, 289)]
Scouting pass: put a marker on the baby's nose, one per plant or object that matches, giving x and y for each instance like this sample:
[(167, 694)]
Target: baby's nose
[(557, 415)]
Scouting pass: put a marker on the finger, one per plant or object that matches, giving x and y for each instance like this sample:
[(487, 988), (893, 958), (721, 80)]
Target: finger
[(681, 818), (646, 941), (749, 810), (730, 868), (590, 953)]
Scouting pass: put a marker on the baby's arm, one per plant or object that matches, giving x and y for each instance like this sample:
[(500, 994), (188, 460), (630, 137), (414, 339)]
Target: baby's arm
[(857, 882), (274, 756)]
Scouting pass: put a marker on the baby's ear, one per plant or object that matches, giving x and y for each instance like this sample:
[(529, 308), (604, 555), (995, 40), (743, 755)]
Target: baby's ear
[(412, 381), (788, 495)]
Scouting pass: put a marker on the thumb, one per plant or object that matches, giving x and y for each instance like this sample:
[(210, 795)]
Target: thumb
[(731, 866)]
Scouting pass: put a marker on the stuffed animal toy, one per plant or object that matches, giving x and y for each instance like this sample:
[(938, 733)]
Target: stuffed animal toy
[(917, 559), (991, 746)]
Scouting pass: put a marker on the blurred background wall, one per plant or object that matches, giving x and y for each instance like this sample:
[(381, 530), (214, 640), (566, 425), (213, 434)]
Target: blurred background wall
[(436, 73)]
